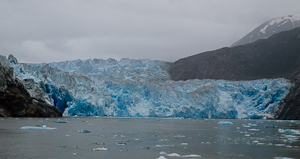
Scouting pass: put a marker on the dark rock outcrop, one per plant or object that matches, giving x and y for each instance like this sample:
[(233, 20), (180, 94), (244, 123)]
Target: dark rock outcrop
[(290, 106), (15, 101), (275, 57)]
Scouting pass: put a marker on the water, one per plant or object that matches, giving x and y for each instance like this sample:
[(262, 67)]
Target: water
[(148, 138)]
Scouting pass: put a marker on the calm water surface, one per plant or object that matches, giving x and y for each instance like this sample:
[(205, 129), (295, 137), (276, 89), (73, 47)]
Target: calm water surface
[(148, 138)]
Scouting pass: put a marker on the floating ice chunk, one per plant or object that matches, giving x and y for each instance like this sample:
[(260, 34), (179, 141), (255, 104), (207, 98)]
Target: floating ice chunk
[(40, 125), (121, 143), (279, 144), (179, 136), (282, 158), (59, 121), (250, 124), (161, 157), (173, 155), (253, 129), (270, 126), (100, 149), (44, 127), (83, 131), (289, 131), (184, 144), (255, 142), (247, 134), (164, 145), (191, 155), (162, 153), (225, 123)]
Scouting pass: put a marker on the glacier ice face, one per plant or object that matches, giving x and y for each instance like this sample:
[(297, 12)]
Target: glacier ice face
[(142, 88)]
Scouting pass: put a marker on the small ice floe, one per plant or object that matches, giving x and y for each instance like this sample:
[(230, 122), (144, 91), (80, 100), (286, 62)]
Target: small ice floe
[(162, 153), (173, 155), (83, 131), (40, 125), (67, 135), (184, 144), (289, 131), (146, 147), (225, 123), (253, 129), (163, 140), (179, 136), (74, 153), (100, 149), (255, 142), (121, 143), (161, 157), (164, 145), (270, 126), (247, 135), (250, 124), (44, 127), (279, 144), (59, 121), (191, 156), (282, 158)]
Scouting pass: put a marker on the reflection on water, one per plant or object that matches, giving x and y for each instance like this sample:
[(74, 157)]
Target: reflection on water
[(148, 138)]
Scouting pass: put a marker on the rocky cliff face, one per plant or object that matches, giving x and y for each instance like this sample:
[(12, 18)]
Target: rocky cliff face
[(290, 106), (15, 101)]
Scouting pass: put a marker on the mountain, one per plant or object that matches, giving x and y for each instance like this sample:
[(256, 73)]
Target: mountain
[(269, 28), (275, 57), (15, 101)]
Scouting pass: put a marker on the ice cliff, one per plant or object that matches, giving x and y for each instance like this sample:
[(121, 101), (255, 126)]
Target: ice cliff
[(142, 88)]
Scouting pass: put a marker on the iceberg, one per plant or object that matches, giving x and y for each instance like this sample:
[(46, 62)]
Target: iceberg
[(225, 123), (142, 88), (289, 131), (83, 131), (44, 127), (100, 149)]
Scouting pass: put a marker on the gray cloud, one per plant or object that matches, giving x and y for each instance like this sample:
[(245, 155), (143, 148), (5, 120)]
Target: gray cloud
[(46, 31)]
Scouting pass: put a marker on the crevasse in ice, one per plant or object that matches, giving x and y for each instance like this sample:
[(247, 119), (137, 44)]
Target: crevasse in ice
[(142, 88)]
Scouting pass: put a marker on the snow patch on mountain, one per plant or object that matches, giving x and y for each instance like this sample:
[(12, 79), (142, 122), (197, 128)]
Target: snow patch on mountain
[(142, 88), (269, 28)]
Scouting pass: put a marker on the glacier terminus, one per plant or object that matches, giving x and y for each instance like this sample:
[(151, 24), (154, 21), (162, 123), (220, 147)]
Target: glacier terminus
[(142, 88)]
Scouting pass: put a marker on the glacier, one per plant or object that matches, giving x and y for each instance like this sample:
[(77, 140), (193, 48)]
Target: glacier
[(142, 88)]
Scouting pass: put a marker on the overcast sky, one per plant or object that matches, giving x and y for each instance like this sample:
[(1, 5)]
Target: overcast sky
[(59, 30)]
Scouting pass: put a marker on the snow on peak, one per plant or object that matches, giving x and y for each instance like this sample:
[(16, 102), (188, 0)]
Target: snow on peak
[(282, 20)]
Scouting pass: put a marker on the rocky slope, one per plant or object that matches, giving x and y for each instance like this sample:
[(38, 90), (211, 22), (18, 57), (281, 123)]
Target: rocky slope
[(15, 101), (269, 28), (290, 106), (275, 57)]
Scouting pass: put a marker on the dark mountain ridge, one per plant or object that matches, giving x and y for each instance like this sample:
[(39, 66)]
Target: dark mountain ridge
[(275, 57)]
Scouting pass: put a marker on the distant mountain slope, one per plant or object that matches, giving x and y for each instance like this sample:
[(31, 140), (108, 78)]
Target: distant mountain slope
[(275, 57), (270, 28)]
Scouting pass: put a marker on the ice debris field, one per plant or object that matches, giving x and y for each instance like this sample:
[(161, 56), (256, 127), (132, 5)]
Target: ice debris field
[(142, 88), (163, 137)]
